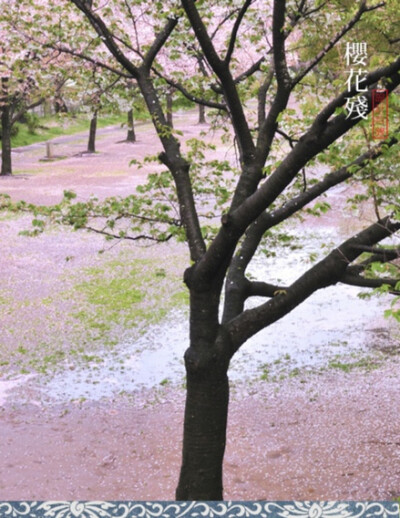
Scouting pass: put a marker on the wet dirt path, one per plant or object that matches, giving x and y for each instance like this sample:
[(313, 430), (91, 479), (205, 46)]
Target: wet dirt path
[(331, 438), (327, 435)]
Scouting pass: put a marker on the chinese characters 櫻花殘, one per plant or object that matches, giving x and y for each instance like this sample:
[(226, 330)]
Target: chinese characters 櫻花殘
[(356, 58)]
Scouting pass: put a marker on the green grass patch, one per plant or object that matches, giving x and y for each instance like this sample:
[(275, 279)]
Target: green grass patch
[(368, 363), (119, 293), (52, 127), (116, 294), (122, 295), (102, 306)]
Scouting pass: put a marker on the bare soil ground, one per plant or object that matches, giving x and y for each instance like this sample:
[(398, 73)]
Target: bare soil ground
[(330, 435)]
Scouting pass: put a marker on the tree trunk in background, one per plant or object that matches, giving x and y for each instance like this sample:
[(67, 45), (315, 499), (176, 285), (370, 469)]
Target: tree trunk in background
[(202, 114), (6, 167), (92, 134), (60, 106), (170, 95), (131, 136)]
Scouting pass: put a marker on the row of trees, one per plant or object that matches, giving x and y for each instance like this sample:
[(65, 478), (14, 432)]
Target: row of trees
[(33, 73), (231, 56)]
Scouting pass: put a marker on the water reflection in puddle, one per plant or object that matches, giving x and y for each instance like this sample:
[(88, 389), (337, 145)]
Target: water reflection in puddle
[(7, 386), (334, 321)]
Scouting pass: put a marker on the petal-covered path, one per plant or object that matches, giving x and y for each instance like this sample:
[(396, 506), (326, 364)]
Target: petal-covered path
[(326, 435)]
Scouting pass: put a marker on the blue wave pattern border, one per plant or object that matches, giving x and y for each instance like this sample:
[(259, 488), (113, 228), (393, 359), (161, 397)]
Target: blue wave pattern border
[(136, 509)]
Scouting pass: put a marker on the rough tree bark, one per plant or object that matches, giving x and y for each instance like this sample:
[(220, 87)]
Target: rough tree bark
[(204, 440), (206, 410)]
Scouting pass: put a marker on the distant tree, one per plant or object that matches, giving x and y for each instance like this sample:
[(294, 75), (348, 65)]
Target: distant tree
[(98, 93), (227, 212), (17, 96), (28, 77)]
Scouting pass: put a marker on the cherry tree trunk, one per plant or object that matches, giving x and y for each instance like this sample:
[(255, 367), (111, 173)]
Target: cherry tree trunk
[(204, 438), (6, 166), (207, 400), (92, 134), (202, 114), (131, 136)]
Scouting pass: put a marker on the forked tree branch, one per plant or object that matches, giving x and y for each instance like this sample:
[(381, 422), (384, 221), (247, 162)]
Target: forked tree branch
[(159, 42), (243, 76), (171, 156), (318, 138), (255, 233), (221, 69), (105, 35), (189, 95), (326, 272)]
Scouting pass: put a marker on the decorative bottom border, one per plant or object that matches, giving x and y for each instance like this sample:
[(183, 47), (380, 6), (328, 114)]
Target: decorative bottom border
[(264, 509)]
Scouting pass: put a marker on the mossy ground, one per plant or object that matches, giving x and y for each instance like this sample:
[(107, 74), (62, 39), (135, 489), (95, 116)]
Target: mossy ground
[(99, 307)]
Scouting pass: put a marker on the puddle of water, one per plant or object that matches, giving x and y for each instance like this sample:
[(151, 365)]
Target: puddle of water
[(153, 359), (6, 386), (334, 321)]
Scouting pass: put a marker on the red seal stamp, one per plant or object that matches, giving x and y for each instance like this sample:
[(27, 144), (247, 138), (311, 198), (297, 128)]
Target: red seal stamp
[(380, 114)]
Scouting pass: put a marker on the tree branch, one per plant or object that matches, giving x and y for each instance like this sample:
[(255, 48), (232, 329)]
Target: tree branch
[(267, 220), (263, 289), (267, 127), (362, 282), (363, 8), (97, 63), (325, 273), (262, 99), (382, 255), (278, 22), (171, 156), (313, 142), (317, 138), (158, 43), (188, 95), (236, 26), (221, 69), (130, 238), (241, 77), (16, 117), (105, 35)]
